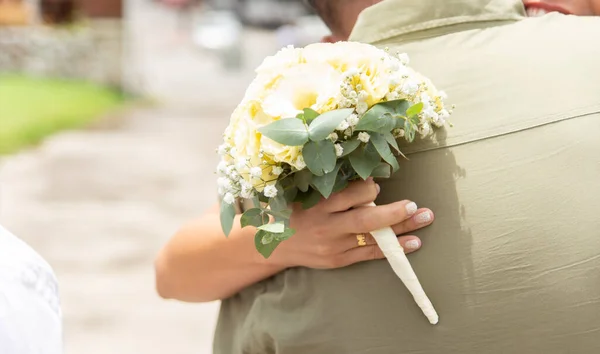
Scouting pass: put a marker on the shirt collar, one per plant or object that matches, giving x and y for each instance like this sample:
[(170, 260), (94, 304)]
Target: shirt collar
[(404, 18)]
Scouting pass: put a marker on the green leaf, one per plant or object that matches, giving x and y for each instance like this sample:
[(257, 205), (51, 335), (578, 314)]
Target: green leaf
[(302, 179), (288, 131), (227, 217), (319, 157), (409, 132), (274, 228), (265, 243), (326, 123), (310, 115), (382, 117), (309, 199), (391, 140), (285, 234), (253, 217), (324, 184), (383, 148), (414, 110), (279, 202), (349, 146), (290, 194), (364, 160), (256, 201), (382, 171), (400, 121), (283, 214)]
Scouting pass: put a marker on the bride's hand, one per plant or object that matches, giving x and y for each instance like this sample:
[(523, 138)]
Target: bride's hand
[(326, 235)]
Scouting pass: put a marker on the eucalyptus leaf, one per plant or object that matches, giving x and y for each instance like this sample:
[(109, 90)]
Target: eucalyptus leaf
[(349, 146), (256, 201), (275, 228), (310, 115), (279, 202), (391, 140), (326, 123), (364, 160), (383, 148), (383, 117), (308, 199), (227, 216), (253, 217), (302, 179), (409, 133), (290, 194), (414, 110), (324, 184), (283, 214), (285, 235), (319, 156), (265, 243), (288, 131), (382, 171)]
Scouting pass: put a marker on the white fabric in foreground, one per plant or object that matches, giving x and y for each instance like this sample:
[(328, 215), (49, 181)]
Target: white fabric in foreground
[(30, 317)]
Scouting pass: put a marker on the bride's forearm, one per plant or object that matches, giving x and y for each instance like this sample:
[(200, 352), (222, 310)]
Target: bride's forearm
[(199, 264)]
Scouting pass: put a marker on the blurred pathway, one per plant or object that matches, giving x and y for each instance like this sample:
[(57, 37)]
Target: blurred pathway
[(99, 203)]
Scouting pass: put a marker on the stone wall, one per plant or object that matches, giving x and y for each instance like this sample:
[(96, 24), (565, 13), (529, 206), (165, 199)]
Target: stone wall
[(91, 51)]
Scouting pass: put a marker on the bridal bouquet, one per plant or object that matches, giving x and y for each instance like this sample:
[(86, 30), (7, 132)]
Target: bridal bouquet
[(314, 119)]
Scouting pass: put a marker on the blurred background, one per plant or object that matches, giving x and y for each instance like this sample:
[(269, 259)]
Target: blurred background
[(110, 112)]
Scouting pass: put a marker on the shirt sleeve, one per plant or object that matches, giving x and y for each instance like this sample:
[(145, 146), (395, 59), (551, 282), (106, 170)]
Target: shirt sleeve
[(30, 317)]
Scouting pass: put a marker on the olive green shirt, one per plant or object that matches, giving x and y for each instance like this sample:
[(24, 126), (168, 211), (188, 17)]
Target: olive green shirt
[(512, 262)]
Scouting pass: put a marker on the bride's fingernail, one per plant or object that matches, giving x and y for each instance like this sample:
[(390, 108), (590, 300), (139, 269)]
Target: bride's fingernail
[(411, 208), (378, 188), (412, 244), (423, 218)]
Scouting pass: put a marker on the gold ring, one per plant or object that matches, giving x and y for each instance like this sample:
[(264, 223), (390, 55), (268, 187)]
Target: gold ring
[(362, 240)]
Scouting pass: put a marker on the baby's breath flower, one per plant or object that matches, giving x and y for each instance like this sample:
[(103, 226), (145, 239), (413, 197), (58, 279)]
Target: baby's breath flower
[(222, 167), (364, 137), (339, 150), (277, 170), (333, 136), (425, 129), (353, 120), (270, 191), (361, 108), (362, 95), (256, 172), (229, 198), (404, 59), (410, 87), (222, 149), (398, 133), (343, 125)]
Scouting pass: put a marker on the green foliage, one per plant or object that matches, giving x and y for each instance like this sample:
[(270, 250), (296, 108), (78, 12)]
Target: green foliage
[(325, 124), (324, 184), (319, 156), (383, 117), (310, 115), (382, 171), (227, 217), (254, 217), (349, 146), (383, 148), (414, 110), (302, 179), (289, 131), (364, 160)]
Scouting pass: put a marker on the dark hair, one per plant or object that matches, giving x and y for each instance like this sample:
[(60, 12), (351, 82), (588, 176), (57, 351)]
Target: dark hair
[(327, 9)]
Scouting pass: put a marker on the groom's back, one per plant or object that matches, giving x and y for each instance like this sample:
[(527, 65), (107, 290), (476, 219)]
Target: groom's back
[(512, 261)]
